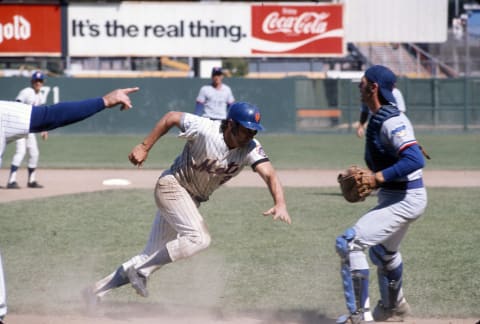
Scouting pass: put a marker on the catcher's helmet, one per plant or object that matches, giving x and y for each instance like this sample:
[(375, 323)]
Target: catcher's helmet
[(245, 114)]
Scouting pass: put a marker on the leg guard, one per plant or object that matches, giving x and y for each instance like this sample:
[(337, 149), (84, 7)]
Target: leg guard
[(342, 246), (355, 281), (389, 270)]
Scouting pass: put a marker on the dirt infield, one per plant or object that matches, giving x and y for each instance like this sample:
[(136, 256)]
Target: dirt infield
[(70, 181)]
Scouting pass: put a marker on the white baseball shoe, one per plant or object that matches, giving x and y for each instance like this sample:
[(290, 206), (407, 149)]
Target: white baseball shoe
[(356, 318)]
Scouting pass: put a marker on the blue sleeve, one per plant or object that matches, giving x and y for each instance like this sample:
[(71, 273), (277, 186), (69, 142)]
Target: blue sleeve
[(199, 108), (411, 159), (44, 118)]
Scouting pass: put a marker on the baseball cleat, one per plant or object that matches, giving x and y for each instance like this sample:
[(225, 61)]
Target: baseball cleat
[(139, 282), (13, 185), (34, 184), (382, 313), (356, 318)]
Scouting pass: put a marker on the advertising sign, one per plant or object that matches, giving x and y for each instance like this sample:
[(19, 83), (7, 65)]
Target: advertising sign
[(314, 30), (204, 29), (30, 30)]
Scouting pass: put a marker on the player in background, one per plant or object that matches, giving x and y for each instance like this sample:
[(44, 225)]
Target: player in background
[(365, 113), (393, 154), (215, 152), (214, 99), (18, 119), (34, 96)]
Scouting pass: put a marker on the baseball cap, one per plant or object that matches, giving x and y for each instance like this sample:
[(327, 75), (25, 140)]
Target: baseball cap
[(385, 79), (37, 75), (217, 71)]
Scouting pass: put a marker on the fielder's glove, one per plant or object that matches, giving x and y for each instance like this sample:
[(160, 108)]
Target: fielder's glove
[(356, 183)]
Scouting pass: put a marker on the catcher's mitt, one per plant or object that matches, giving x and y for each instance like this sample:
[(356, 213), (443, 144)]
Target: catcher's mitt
[(356, 183)]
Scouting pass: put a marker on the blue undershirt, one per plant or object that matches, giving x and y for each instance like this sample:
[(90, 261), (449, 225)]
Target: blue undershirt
[(45, 118), (411, 159)]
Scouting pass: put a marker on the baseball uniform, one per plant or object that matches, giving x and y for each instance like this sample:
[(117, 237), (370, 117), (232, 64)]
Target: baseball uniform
[(179, 230), (28, 142), (215, 101), (392, 150)]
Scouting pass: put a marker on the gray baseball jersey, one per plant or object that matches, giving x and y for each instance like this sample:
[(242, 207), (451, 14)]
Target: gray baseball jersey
[(215, 101)]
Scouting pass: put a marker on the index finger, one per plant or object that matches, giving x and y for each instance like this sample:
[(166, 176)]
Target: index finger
[(130, 90)]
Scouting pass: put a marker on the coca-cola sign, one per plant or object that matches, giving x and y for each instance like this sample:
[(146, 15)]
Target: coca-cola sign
[(308, 30), (30, 30)]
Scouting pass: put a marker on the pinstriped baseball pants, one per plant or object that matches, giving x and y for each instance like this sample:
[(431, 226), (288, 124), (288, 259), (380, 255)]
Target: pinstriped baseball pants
[(178, 226)]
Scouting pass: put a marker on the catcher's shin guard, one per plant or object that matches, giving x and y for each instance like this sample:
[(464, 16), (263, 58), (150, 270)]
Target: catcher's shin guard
[(389, 273), (355, 283), (342, 247), (360, 280)]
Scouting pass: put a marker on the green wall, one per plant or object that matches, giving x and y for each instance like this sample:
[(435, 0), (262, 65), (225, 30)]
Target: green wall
[(431, 103)]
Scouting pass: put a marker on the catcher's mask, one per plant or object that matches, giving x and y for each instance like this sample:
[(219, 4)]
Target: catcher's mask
[(245, 114)]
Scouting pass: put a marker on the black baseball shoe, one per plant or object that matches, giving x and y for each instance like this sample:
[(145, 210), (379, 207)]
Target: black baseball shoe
[(139, 282), (13, 185), (34, 184)]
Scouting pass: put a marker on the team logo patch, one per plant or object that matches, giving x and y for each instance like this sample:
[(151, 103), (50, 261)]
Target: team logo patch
[(400, 131), (257, 117), (261, 152)]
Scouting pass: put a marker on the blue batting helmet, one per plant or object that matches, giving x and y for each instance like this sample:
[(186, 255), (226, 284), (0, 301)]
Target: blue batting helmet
[(37, 75), (245, 114)]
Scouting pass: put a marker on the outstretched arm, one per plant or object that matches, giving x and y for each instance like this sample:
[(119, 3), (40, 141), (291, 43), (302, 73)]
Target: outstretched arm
[(139, 153), (269, 175), (45, 118)]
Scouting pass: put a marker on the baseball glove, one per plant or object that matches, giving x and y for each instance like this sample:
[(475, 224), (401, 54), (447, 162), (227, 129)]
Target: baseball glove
[(356, 183)]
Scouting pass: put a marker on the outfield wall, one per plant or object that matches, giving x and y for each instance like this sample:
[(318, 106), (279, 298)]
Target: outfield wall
[(333, 103)]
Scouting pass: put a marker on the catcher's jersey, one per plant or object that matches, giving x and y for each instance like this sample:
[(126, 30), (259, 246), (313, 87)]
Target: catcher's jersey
[(206, 162), (29, 97), (215, 101), (397, 134)]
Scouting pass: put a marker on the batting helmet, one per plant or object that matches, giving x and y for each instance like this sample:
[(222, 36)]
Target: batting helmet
[(245, 114), (37, 75)]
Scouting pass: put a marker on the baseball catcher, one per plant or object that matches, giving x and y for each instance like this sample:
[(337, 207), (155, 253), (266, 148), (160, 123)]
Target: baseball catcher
[(395, 166), (356, 183)]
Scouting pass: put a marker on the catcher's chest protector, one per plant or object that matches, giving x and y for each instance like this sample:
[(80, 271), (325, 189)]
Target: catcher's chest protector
[(376, 156)]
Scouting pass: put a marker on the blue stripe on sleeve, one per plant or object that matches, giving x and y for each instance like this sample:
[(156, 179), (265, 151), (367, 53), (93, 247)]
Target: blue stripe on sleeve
[(199, 108), (44, 118), (411, 159)]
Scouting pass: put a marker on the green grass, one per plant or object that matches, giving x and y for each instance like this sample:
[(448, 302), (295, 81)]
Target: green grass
[(54, 247), (448, 151)]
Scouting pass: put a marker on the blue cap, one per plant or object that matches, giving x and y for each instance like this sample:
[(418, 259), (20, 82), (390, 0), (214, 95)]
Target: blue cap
[(38, 76), (385, 79), (245, 114), (217, 71)]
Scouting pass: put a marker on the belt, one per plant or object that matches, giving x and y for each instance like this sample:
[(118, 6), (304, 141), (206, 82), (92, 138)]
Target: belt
[(414, 184)]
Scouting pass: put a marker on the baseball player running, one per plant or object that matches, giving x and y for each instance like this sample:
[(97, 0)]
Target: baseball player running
[(393, 154), (215, 152), (214, 99), (32, 96), (18, 119)]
